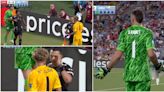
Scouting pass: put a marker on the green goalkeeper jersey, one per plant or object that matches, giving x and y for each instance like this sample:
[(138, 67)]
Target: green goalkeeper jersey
[(8, 14), (134, 42), (25, 50), (23, 58)]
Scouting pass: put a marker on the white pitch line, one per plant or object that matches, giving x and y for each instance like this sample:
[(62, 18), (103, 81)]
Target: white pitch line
[(123, 88), (113, 89)]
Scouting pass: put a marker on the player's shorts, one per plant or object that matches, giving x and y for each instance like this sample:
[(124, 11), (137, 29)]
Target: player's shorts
[(18, 32), (77, 42), (138, 86), (23, 58), (9, 27)]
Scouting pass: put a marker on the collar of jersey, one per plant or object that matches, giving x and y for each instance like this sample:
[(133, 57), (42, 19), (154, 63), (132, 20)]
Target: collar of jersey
[(39, 67)]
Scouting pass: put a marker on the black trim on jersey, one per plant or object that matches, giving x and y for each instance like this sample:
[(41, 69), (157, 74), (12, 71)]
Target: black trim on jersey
[(59, 69), (47, 80)]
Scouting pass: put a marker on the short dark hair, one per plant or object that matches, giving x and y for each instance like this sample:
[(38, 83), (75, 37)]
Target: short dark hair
[(57, 51), (138, 15)]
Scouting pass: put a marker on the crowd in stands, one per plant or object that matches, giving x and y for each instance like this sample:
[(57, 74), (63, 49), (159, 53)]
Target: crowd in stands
[(107, 27), (80, 8)]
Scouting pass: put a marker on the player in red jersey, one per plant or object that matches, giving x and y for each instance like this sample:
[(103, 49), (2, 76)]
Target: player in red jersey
[(88, 18)]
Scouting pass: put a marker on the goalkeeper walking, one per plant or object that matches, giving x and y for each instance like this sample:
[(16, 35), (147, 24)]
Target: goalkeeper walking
[(136, 43)]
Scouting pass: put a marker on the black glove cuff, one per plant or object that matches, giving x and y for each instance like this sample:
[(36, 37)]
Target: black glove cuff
[(157, 66), (106, 70)]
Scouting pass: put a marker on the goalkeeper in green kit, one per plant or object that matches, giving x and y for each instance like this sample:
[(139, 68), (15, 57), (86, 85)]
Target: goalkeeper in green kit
[(24, 61), (136, 43), (9, 24)]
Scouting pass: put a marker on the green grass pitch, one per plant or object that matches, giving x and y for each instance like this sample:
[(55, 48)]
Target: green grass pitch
[(34, 39), (114, 82)]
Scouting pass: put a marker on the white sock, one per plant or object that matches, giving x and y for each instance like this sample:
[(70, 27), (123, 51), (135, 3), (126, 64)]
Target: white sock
[(157, 81)]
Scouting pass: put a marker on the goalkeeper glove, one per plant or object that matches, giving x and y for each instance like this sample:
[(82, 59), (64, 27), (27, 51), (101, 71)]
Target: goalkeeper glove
[(101, 73), (159, 67)]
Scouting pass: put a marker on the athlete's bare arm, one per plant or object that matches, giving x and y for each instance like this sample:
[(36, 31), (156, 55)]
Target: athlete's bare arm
[(115, 58), (152, 56)]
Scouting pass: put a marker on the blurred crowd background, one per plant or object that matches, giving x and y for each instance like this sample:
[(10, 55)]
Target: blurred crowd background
[(108, 27), (82, 9)]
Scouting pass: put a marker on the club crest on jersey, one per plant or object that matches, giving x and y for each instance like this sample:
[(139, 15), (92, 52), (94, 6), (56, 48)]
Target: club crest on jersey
[(133, 32)]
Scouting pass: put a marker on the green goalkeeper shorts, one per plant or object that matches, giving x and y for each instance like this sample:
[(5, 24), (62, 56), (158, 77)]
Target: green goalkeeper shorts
[(23, 58), (138, 86)]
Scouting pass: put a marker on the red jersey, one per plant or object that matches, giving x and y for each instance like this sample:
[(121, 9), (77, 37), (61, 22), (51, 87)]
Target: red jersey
[(53, 12), (89, 13)]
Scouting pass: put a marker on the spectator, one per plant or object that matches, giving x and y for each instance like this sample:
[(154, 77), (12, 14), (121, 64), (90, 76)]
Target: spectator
[(108, 27), (88, 18), (63, 14), (78, 5), (52, 11)]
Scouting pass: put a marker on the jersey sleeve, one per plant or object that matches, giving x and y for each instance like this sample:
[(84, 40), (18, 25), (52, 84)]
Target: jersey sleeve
[(14, 12), (57, 83), (149, 41), (6, 15), (121, 42), (32, 82)]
